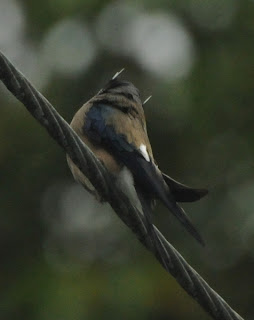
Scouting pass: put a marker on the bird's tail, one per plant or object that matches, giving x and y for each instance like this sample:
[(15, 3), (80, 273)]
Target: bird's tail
[(183, 193), (180, 214), (168, 199), (152, 181)]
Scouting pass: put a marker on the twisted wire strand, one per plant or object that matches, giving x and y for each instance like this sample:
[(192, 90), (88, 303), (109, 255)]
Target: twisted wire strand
[(81, 155)]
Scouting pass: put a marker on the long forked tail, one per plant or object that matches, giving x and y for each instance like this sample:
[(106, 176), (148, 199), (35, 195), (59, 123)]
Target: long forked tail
[(169, 201), (180, 214), (149, 179)]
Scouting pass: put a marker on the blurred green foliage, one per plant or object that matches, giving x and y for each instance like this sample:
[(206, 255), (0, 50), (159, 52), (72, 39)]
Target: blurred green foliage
[(62, 255)]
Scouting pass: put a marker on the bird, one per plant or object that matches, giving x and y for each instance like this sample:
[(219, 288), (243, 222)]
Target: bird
[(113, 125)]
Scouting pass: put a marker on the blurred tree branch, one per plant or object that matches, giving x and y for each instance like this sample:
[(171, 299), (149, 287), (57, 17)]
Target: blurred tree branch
[(148, 234)]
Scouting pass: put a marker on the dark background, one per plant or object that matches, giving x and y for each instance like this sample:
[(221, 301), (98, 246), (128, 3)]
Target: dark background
[(64, 256)]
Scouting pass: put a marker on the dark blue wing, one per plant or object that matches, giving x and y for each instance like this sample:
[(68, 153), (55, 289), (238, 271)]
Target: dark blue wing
[(98, 130)]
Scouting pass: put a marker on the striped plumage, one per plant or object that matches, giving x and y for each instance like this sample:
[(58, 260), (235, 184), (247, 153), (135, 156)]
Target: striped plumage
[(113, 125)]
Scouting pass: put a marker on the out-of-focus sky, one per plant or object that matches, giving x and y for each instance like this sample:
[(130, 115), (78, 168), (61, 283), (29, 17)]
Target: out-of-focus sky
[(64, 256)]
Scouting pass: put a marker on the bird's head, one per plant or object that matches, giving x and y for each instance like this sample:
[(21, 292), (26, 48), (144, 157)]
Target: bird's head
[(121, 88)]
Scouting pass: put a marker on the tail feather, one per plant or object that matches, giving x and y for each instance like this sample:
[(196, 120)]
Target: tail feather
[(183, 193), (150, 184), (180, 214), (168, 199)]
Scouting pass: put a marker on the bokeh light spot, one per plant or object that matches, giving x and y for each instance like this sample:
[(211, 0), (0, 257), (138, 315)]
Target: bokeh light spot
[(162, 45), (69, 47)]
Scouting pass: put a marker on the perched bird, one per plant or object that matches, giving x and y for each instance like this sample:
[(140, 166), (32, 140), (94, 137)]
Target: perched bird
[(112, 124)]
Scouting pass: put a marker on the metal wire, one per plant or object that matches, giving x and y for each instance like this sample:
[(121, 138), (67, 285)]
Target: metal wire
[(81, 155)]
